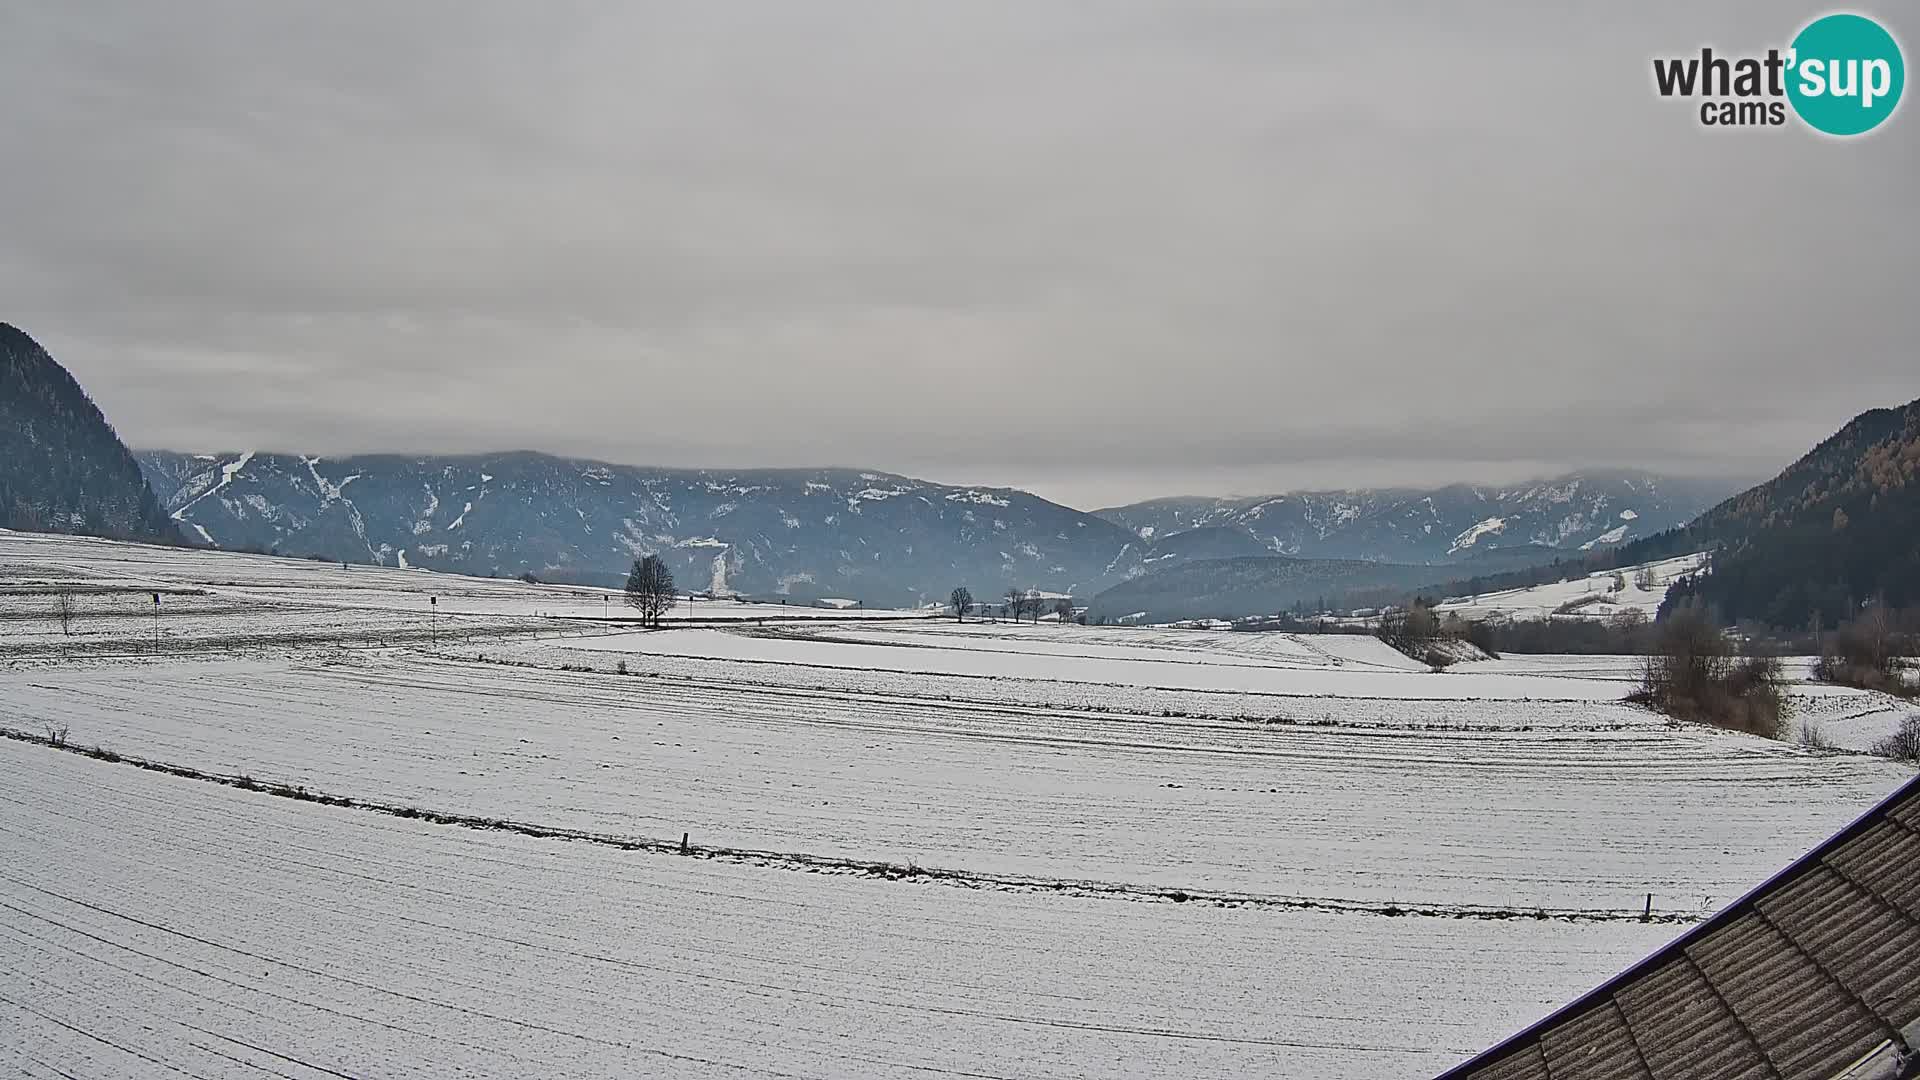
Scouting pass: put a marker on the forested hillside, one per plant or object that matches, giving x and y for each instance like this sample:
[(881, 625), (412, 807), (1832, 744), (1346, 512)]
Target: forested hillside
[(62, 468), (1836, 529), (1839, 527)]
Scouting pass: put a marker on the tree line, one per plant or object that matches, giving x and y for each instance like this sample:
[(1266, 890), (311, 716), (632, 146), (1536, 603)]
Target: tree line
[(1019, 604)]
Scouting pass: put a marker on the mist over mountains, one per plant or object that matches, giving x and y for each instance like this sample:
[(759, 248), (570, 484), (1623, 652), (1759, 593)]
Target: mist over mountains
[(1579, 511), (804, 534)]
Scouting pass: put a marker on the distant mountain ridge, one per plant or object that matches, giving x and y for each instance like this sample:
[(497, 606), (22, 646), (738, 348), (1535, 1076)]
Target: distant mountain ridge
[(1578, 511), (804, 533), (62, 468), (1833, 531)]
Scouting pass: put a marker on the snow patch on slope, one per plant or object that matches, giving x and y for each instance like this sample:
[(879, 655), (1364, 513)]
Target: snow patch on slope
[(424, 524), (331, 492), (1611, 536), (227, 473), (983, 498), (1467, 539)]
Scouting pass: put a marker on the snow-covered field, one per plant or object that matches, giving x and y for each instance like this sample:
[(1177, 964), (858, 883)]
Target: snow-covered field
[(31, 559), (155, 926), (1344, 666), (913, 848), (1590, 597), (1586, 820), (1850, 719)]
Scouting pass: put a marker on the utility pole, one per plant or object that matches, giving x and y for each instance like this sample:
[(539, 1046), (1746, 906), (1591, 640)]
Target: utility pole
[(156, 623), (433, 621)]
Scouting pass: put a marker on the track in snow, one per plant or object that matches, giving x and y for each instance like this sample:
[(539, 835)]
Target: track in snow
[(1574, 819), (158, 926)]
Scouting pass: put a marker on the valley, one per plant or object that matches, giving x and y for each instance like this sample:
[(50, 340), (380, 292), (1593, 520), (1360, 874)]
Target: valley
[(301, 828)]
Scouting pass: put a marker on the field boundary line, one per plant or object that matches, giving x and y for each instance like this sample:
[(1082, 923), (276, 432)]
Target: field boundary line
[(808, 862)]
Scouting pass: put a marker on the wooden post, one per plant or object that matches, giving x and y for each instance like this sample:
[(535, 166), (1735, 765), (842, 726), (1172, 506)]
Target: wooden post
[(683, 843), (1648, 915)]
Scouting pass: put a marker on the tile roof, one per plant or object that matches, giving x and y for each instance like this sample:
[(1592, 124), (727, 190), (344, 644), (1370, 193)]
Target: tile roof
[(1804, 978)]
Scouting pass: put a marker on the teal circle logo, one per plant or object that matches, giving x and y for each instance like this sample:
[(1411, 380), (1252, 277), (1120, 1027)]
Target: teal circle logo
[(1846, 74)]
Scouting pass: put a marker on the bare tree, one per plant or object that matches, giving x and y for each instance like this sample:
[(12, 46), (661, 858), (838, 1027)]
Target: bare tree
[(65, 609), (961, 598), (1031, 605), (1644, 580), (1410, 631), (1874, 631), (650, 589), (1903, 744), (1016, 603), (1867, 651), (1063, 610)]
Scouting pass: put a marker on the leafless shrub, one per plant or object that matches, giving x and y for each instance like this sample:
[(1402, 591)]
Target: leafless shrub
[(1866, 653), (1628, 620), (1902, 745), (1581, 603), (1693, 675), (1813, 737)]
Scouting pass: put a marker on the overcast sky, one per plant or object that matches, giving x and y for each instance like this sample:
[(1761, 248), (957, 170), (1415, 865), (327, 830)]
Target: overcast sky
[(1101, 250)]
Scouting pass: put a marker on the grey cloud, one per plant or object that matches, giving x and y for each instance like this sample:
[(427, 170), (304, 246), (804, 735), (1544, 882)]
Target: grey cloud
[(1105, 250)]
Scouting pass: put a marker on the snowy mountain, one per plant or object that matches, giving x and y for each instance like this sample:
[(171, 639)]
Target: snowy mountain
[(1580, 511), (877, 537), (807, 534)]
